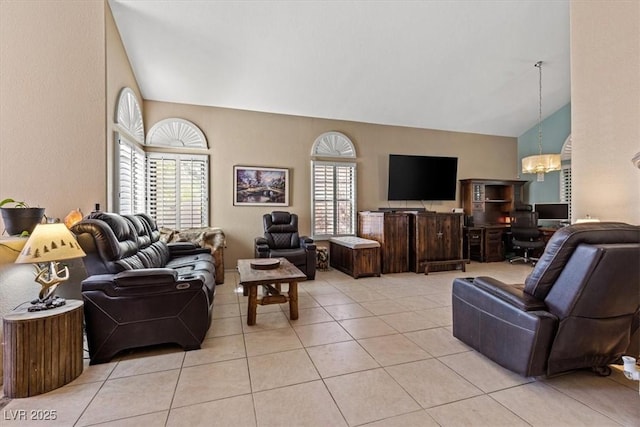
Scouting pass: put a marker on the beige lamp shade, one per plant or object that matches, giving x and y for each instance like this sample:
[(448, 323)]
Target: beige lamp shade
[(50, 242), (541, 163)]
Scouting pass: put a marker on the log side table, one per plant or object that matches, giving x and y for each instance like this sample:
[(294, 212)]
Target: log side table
[(42, 349)]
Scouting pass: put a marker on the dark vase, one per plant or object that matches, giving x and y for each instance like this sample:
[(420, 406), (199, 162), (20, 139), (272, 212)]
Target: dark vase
[(18, 220)]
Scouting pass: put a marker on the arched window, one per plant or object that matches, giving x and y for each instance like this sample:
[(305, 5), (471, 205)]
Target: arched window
[(166, 175), (176, 133), (129, 156), (178, 181), (333, 182)]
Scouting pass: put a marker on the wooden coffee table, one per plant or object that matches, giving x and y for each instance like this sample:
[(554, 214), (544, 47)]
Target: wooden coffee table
[(251, 278)]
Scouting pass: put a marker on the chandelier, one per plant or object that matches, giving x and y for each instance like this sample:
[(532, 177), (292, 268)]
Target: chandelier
[(540, 163)]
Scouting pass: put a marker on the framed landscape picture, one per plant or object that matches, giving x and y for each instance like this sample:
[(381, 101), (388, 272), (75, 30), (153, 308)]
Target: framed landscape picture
[(258, 186)]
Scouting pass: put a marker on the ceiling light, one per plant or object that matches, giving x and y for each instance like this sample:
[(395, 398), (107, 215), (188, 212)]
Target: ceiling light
[(541, 163)]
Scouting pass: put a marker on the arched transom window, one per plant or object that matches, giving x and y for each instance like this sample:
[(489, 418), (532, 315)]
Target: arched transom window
[(178, 178), (333, 182)]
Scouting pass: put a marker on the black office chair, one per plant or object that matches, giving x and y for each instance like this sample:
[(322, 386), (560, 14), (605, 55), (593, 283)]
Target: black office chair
[(525, 233)]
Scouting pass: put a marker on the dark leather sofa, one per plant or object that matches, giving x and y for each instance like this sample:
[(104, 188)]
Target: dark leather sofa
[(281, 239), (142, 291), (579, 307)]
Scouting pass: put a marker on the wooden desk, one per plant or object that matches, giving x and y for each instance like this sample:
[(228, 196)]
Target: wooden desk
[(547, 232), (42, 349)]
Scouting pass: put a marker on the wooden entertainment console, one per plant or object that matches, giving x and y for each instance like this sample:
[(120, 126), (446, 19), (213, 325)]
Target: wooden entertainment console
[(415, 241)]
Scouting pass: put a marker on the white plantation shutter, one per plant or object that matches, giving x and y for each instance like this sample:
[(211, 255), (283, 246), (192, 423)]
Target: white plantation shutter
[(323, 208), (565, 185), (345, 198), (194, 174), (162, 183), (131, 178), (178, 189), (334, 198)]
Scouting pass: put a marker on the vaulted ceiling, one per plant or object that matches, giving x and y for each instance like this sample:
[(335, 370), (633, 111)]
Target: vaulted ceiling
[(461, 65)]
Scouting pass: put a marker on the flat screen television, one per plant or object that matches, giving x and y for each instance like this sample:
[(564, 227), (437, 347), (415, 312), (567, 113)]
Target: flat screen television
[(552, 211), (422, 177)]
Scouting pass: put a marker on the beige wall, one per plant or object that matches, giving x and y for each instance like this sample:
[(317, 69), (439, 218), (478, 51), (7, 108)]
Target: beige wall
[(52, 128), (605, 109), (52, 115), (259, 139)]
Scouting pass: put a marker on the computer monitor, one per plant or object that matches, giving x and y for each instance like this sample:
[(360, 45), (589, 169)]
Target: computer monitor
[(552, 211)]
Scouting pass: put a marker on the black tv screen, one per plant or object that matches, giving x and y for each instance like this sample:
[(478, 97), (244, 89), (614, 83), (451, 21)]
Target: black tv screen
[(422, 177), (552, 211)]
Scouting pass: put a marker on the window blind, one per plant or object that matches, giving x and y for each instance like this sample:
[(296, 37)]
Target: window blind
[(565, 186), (131, 178), (334, 199), (178, 189)]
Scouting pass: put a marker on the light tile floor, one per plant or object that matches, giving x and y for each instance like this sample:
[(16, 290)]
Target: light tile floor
[(374, 351)]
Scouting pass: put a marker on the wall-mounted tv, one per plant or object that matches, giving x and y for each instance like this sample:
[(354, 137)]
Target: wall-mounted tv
[(422, 177)]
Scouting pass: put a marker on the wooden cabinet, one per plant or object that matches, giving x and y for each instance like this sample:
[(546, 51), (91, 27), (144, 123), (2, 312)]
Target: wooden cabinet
[(416, 241), (436, 241), (490, 201), (391, 230)]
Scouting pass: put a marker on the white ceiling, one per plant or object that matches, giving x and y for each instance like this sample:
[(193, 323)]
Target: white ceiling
[(460, 65)]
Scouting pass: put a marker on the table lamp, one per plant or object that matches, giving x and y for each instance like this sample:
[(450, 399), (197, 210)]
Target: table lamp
[(48, 244)]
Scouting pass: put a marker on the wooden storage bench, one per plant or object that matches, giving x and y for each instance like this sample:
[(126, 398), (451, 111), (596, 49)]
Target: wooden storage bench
[(355, 256)]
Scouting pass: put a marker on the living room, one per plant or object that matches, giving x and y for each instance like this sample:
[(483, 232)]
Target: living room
[(64, 64)]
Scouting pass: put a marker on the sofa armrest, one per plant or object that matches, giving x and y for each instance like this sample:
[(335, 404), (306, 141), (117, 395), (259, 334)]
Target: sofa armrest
[(146, 276), (146, 281), (177, 249), (98, 282), (514, 295), (262, 247), (502, 324), (307, 243)]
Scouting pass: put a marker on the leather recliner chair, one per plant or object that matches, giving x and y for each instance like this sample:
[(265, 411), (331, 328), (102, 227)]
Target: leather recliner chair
[(579, 307), (281, 240)]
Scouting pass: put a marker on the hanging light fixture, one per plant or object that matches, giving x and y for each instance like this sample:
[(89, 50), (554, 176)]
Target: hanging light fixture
[(541, 163)]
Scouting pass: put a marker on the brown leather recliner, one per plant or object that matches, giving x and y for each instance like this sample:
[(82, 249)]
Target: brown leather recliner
[(281, 239), (142, 291), (579, 307)]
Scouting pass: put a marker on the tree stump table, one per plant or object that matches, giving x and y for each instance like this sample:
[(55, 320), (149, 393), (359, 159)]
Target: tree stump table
[(42, 349)]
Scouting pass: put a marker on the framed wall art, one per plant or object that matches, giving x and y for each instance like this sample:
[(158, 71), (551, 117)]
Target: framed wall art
[(258, 186)]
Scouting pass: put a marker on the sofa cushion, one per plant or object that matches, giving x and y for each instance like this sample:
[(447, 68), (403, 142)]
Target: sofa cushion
[(132, 262), (155, 255), (141, 231)]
